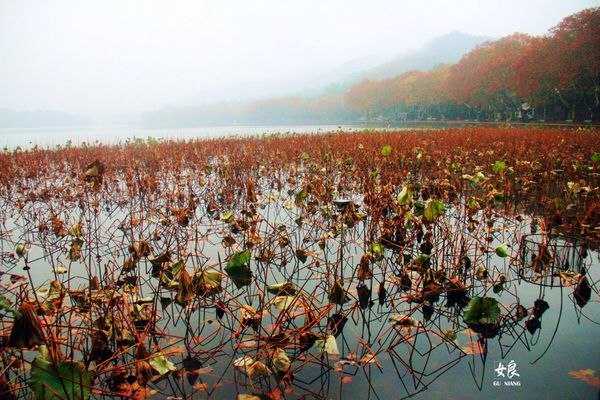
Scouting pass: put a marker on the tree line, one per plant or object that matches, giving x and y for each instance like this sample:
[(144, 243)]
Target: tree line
[(554, 77), (551, 77)]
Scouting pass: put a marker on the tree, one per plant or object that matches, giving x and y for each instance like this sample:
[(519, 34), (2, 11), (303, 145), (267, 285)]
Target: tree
[(482, 78), (366, 97), (575, 64), (531, 79)]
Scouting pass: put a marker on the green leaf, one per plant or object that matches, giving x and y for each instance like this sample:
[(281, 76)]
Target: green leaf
[(433, 210), (300, 197), (473, 204), (386, 150), (227, 217), (76, 230), (161, 365), (66, 380), (482, 310), (405, 195), (177, 267), (5, 305), (282, 289), (502, 250), (499, 167), (596, 158), (238, 270), (376, 251), (419, 208), (479, 176), (239, 259)]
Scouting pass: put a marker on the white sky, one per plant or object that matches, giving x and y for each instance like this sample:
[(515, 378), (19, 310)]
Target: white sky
[(118, 56)]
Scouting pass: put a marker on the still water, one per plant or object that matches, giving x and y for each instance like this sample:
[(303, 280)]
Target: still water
[(554, 362), (52, 137), (559, 360)]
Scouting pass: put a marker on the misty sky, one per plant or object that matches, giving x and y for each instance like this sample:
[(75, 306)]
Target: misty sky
[(111, 57)]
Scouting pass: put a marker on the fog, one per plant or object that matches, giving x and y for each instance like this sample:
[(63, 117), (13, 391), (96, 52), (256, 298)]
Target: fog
[(118, 57)]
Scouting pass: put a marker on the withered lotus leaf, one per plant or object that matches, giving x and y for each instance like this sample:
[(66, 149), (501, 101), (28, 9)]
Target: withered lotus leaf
[(27, 330)]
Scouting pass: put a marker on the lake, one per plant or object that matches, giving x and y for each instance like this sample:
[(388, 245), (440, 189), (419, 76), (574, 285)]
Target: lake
[(52, 137), (449, 264)]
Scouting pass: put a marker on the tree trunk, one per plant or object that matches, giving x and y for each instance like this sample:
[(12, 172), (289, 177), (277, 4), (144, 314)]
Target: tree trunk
[(570, 106), (544, 113)]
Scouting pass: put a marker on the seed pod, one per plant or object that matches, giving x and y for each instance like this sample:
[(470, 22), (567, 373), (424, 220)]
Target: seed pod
[(20, 249)]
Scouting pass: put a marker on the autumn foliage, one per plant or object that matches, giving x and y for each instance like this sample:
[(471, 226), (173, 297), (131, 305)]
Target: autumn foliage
[(556, 76)]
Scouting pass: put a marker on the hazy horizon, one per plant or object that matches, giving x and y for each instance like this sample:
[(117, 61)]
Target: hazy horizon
[(101, 58)]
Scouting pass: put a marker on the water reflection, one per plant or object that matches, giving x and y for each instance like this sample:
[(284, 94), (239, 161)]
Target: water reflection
[(385, 320)]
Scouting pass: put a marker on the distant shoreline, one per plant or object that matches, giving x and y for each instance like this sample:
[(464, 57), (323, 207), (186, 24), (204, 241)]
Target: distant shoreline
[(375, 124), (56, 138)]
